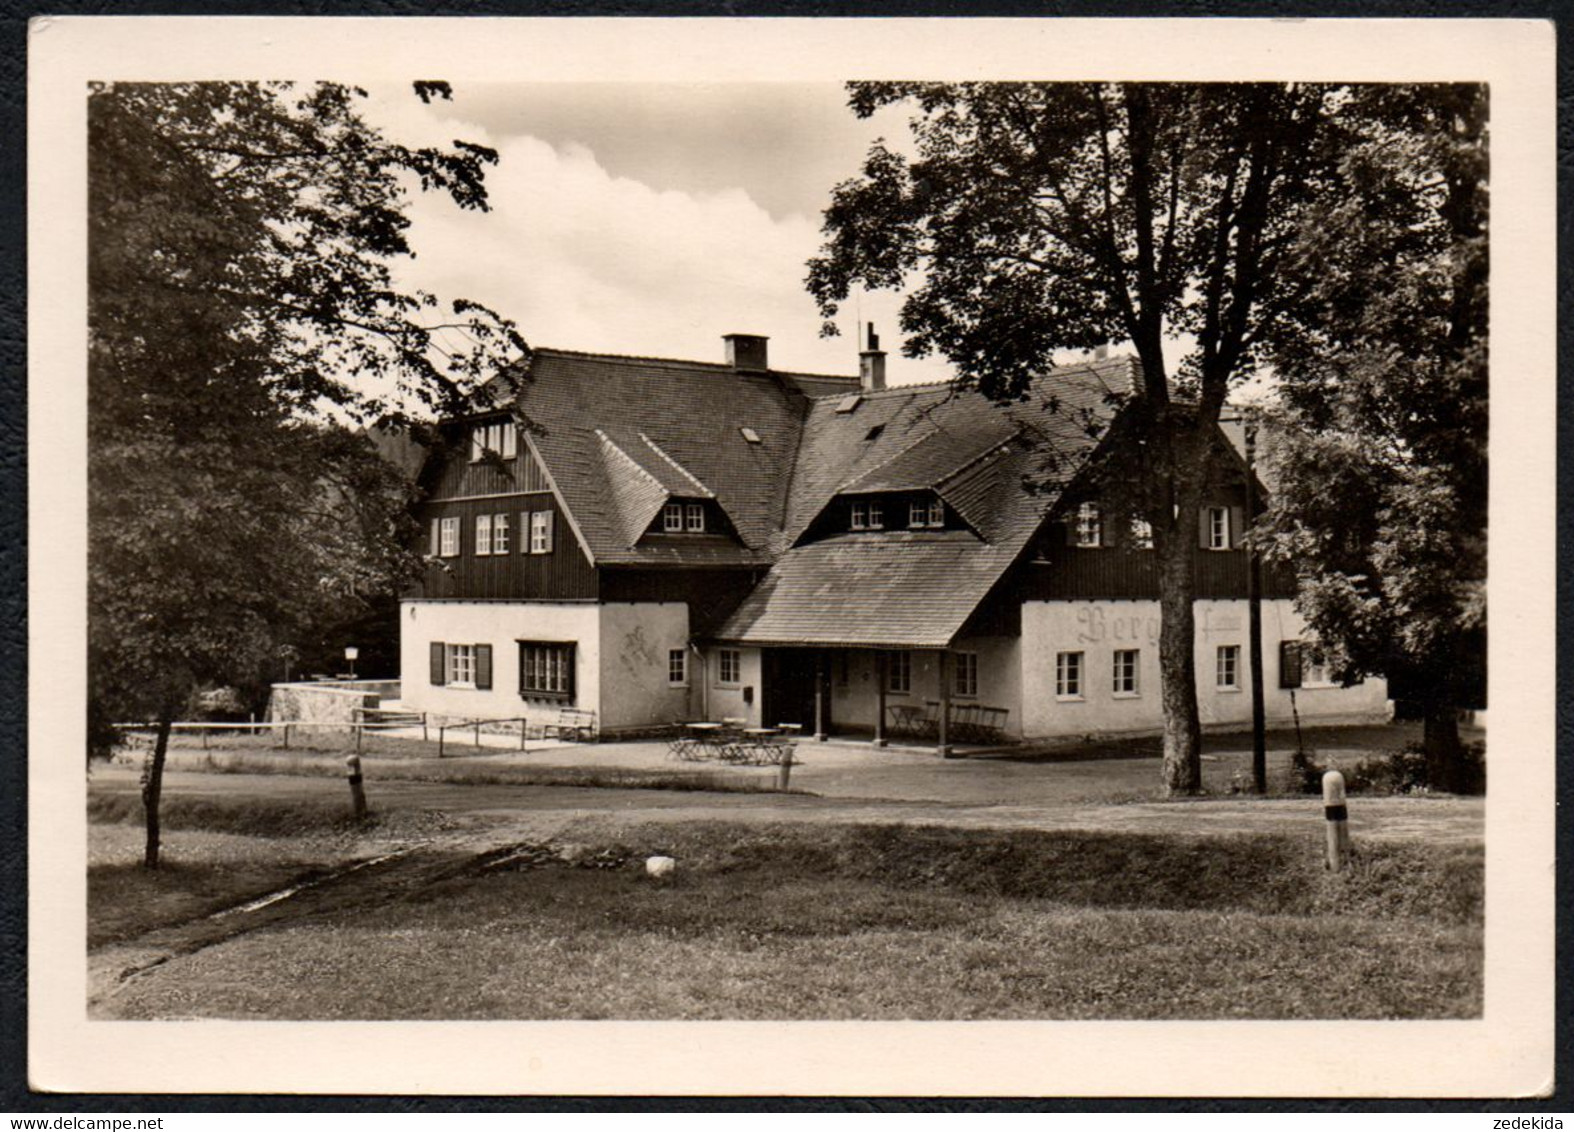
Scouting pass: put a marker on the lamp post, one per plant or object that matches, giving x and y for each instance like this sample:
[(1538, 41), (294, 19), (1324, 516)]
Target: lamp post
[(351, 653)]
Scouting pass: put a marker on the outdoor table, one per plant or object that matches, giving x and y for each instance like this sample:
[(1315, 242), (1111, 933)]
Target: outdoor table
[(906, 719)]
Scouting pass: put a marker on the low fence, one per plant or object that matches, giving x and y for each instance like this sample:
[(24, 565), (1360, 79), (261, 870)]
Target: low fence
[(282, 732)]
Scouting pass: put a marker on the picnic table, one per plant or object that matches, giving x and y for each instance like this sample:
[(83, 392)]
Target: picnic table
[(726, 742)]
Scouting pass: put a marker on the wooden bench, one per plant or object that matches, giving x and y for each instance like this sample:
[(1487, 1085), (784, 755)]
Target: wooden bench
[(578, 724)]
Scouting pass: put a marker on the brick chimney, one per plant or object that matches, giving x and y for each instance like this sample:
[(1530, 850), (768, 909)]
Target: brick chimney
[(871, 364), (746, 351)]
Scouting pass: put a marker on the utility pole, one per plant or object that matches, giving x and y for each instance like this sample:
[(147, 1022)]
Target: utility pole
[(1254, 621)]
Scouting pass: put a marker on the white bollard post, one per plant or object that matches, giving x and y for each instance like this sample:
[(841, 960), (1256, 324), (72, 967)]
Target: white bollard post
[(1338, 820)]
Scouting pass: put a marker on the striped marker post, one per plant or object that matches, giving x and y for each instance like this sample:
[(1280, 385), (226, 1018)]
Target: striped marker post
[(352, 771), (1338, 820)]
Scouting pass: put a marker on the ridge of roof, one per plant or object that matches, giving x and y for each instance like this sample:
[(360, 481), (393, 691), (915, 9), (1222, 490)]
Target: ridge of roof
[(684, 363), (1128, 362), (681, 470)]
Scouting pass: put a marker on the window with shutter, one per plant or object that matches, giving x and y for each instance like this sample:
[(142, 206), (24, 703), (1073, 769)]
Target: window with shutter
[(1237, 525), (483, 666), (1289, 664), (483, 535), (438, 669)]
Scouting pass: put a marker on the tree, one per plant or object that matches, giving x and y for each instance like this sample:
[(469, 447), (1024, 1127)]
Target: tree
[(1381, 453), (1050, 217), (242, 321)]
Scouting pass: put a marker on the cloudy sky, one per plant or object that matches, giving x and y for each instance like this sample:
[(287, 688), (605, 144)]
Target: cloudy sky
[(649, 219)]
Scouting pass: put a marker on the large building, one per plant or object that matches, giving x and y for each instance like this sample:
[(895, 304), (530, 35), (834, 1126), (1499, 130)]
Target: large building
[(672, 540)]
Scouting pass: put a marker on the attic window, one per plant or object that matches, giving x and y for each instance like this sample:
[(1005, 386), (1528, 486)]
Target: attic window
[(874, 433), (750, 435), (848, 403)]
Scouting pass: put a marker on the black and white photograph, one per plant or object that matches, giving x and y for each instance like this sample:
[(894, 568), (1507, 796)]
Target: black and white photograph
[(873, 523)]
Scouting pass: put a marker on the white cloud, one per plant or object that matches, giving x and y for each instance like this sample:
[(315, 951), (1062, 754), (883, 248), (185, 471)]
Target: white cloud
[(583, 259)]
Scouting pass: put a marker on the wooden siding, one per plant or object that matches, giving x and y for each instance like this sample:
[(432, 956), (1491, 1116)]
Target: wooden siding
[(459, 477), (1084, 574), (564, 573), (711, 595)]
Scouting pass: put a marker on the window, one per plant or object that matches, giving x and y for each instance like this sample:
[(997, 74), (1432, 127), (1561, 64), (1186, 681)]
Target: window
[(1228, 668), (449, 537), (876, 518), (874, 433), (1141, 534), (483, 534), (1218, 528), (1314, 666), (500, 437), (540, 532), (926, 513), (1068, 675), (510, 446), (672, 517), (1125, 683), (677, 666), (966, 674), (500, 534), (694, 517), (546, 670), (729, 666), (899, 673), (1289, 664), (462, 666), (1090, 525), (750, 435), (860, 517)]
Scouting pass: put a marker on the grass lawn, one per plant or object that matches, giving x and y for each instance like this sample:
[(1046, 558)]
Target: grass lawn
[(790, 921)]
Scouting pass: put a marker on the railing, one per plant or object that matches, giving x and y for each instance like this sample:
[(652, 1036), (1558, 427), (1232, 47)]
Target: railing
[(280, 727), (477, 725)]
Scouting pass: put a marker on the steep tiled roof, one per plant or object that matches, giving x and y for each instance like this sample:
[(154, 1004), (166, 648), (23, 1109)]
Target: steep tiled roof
[(916, 589)]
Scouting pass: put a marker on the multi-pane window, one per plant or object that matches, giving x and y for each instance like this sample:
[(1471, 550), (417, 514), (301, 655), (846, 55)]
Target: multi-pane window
[(899, 673), (448, 537), (1068, 675), (1218, 528), (966, 674), (1228, 667), (694, 517), (672, 517), (459, 666), (1141, 534), (1314, 666), (540, 532), (1090, 525), (926, 513), (499, 437), (677, 666), (546, 670), (500, 534), (1125, 672), (483, 534), (729, 666), (876, 517), (860, 521)]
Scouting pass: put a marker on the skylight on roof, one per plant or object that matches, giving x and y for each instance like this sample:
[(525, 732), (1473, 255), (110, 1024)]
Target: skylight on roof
[(874, 433), (848, 403), (750, 435)]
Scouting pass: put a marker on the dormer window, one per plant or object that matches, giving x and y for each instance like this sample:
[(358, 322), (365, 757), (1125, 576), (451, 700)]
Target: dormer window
[(1090, 525), (500, 437), (678, 517), (926, 513), (868, 516)]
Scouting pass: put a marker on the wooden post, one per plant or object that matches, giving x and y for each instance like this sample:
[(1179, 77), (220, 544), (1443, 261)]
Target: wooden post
[(204, 738), (880, 680), (784, 768), (523, 724), (945, 704), (352, 771), (478, 734), (820, 732), (360, 730), (1338, 820), (423, 727), (286, 736), (441, 732)]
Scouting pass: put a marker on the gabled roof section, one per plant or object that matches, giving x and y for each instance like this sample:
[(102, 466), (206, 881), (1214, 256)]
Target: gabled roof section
[(612, 429)]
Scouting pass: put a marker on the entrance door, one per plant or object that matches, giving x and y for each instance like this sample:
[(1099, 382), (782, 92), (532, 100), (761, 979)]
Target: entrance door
[(787, 694)]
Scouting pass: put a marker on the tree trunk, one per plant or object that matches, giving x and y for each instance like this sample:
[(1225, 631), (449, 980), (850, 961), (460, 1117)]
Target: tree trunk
[(1440, 742), (1177, 664), (153, 787)]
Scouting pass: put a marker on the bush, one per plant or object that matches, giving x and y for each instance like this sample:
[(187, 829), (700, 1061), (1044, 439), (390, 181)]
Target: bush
[(1395, 772)]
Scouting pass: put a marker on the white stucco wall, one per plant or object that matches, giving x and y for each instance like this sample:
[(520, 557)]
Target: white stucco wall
[(1098, 628), (500, 624), (635, 640), (727, 701)]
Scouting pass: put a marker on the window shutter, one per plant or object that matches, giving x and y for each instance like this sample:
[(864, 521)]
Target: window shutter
[(437, 538), (524, 532), (1237, 525), (437, 662), (483, 666), (1203, 533), (1071, 530), (568, 673), (1289, 664), (551, 520)]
